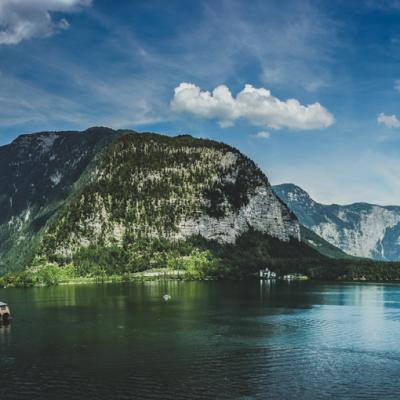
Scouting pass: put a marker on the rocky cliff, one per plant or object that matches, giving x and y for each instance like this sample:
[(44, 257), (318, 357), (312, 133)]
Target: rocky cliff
[(152, 186), (361, 229), (61, 192)]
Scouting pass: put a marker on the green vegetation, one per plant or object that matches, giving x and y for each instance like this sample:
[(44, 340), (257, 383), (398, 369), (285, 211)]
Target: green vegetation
[(197, 258), (356, 270)]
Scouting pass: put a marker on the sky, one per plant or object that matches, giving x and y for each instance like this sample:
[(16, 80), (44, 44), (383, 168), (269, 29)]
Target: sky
[(310, 90)]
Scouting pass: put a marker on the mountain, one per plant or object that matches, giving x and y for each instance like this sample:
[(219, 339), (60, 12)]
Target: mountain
[(360, 229), (37, 175), (321, 245), (111, 197)]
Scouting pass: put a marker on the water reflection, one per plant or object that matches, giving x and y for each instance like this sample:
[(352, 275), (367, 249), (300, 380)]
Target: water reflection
[(211, 340), (5, 334)]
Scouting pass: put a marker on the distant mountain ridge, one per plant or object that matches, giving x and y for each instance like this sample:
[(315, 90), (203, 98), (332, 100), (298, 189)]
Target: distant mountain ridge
[(359, 229)]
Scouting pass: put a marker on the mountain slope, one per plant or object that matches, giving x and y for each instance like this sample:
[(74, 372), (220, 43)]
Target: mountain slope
[(360, 229), (66, 193), (149, 186), (321, 245), (37, 175)]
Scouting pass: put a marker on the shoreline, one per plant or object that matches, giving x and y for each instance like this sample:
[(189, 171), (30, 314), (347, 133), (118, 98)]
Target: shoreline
[(182, 276)]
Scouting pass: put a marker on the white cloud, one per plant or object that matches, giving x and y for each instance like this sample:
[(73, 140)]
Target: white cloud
[(397, 84), (262, 135), (25, 19), (391, 121), (257, 105)]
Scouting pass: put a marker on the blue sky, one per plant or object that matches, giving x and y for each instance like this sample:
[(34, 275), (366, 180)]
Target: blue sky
[(147, 65)]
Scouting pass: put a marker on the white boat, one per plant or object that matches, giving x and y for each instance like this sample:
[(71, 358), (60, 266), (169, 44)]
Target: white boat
[(5, 313)]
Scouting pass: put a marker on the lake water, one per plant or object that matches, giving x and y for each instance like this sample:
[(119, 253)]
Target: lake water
[(212, 340)]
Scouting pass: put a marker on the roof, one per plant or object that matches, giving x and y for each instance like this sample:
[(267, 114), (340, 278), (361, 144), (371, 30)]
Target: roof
[(3, 304)]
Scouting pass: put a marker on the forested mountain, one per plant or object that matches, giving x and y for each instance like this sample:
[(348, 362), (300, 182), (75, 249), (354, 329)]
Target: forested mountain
[(129, 200), (38, 174)]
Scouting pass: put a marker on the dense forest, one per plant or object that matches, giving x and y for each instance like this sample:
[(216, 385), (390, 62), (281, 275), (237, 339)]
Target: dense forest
[(198, 258)]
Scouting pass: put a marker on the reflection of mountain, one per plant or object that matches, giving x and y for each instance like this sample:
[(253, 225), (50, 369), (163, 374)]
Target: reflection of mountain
[(253, 339), (359, 229)]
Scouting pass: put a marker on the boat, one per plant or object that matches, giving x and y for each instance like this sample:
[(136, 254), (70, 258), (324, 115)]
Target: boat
[(5, 314)]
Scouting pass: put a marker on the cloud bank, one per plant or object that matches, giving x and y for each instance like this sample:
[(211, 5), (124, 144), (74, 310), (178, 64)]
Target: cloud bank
[(391, 121), (25, 19), (257, 105)]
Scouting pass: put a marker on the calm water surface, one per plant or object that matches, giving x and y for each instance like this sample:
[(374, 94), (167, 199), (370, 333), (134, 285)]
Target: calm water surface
[(213, 340)]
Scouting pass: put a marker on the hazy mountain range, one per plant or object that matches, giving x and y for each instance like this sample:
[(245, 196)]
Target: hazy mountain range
[(359, 229)]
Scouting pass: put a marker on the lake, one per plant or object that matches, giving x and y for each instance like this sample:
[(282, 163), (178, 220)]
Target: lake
[(225, 340)]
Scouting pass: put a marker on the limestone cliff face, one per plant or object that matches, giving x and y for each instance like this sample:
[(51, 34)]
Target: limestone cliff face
[(153, 186), (263, 213), (360, 229)]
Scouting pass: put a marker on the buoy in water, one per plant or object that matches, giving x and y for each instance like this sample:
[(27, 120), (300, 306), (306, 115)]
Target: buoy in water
[(166, 297)]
